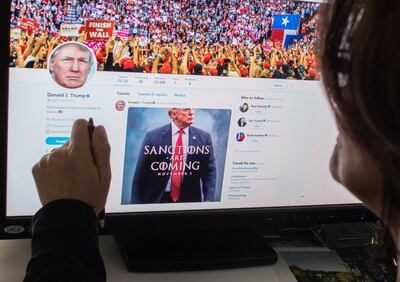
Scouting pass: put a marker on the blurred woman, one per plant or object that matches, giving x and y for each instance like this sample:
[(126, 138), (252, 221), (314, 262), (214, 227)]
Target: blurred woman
[(360, 58)]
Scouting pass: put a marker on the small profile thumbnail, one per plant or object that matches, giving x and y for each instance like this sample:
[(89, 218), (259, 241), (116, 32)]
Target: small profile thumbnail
[(242, 122), (244, 108), (240, 137)]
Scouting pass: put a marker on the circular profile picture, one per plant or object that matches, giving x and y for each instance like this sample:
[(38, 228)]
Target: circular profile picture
[(72, 64), (242, 122), (244, 108), (120, 105), (240, 137)]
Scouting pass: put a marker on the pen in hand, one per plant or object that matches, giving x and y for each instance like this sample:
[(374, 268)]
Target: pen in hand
[(102, 214), (91, 129)]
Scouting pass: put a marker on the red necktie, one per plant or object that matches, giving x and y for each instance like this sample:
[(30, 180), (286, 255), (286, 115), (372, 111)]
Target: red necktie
[(177, 168)]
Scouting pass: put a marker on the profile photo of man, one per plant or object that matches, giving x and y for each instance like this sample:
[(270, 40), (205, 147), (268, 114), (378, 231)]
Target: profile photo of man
[(70, 64), (244, 108), (176, 163), (120, 105), (242, 122)]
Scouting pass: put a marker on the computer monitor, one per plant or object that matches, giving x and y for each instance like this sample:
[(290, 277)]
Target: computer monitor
[(240, 77)]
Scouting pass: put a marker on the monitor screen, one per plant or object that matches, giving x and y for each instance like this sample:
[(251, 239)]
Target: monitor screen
[(208, 105)]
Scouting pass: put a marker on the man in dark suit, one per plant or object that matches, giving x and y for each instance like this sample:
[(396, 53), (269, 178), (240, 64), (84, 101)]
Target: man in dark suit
[(242, 122), (176, 163)]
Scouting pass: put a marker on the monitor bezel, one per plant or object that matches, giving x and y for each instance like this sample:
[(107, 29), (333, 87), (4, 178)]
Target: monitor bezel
[(274, 217)]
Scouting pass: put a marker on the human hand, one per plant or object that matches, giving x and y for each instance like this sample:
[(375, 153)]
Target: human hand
[(135, 41), (127, 43), (82, 37), (42, 39), (17, 49), (110, 45), (54, 41), (78, 170)]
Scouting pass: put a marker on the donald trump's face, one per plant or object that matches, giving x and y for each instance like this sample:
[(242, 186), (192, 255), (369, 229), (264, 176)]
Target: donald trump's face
[(182, 117), (70, 65)]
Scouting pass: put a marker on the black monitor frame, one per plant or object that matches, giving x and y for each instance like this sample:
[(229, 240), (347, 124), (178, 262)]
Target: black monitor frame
[(274, 219)]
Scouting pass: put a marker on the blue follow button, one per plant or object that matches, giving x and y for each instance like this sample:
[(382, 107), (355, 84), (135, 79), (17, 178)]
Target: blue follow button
[(56, 140)]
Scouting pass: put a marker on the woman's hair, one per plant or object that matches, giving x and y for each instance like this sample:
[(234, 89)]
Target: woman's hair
[(360, 56)]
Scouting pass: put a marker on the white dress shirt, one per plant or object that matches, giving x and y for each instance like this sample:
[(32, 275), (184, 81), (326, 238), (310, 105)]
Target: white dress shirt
[(185, 143)]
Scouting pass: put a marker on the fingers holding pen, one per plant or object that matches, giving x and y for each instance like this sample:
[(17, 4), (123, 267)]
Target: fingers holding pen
[(101, 152), (80, 169), (80, 140)]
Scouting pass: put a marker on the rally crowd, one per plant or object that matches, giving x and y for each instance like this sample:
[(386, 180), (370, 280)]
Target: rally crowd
[(204, 37)]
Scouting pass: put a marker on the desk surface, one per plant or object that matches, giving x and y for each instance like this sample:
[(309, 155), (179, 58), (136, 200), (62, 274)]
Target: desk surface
[(14, 256)]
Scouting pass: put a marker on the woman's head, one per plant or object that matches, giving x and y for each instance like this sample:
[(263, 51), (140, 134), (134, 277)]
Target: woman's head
[(360, 64)]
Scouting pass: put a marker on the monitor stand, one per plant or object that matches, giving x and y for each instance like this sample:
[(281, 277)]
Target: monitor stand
[(194, 250)]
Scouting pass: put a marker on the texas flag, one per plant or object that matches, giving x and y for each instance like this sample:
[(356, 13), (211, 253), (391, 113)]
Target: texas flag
[(285, 28)]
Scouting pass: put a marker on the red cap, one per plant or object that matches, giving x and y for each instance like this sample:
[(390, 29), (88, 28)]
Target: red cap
[(241, 60), (191, 66), (220, 61), (214, 72), (100, 57), (278, 63), (129, 64), (266, 65), (207, 58), (166, 69), (244, 71), (312, 72), (147, 68), (122, 61)]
